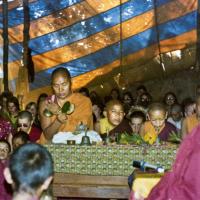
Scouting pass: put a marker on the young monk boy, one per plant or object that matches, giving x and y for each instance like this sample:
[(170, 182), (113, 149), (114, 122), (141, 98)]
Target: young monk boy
[(157, 127), (25, 123), (114, 121), (30, 171), (19, 139), (137, 118)]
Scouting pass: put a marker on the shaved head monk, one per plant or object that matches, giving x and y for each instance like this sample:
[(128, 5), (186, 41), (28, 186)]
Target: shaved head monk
[(59, 121)]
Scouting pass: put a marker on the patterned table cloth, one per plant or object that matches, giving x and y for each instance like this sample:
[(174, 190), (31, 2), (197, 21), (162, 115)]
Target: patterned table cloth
[(110, 160)]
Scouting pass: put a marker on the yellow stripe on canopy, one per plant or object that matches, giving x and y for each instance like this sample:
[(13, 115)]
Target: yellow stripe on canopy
[(105, 38), (182, 41), (61, 19), (14, 4)]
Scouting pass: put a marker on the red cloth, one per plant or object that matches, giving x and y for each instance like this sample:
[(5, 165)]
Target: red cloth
[(183, 182), (5, 188), (122, 128), (35, 133), (5, 128)]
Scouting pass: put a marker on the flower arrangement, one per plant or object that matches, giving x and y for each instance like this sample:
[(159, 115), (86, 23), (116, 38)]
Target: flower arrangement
[(150, 138), (175, 137), (125, 138)]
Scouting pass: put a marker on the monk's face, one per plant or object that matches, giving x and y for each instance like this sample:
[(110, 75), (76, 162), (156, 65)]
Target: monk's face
[(61, 86), (157, 118), (136, 124), (17, 142), (24, 124), (115, 114)]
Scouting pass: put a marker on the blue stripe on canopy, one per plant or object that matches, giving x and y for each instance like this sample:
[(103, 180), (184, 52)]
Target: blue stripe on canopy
[(43, 8), (38, 9), (130, 45), (83, 29)]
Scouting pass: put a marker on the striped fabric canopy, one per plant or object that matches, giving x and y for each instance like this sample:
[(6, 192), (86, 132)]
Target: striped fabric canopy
[(84, 36)]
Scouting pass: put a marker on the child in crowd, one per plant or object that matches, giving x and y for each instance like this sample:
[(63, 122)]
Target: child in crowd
[(115, 94), (169, 100), (3, 103), (19, 139), (141, 89), (157, 128), (97, 114), (176, 116), (4, 149), (192, 121), (189, 108), (137, 118), (13, 110), (145, 100), (30, 171), (114, 122), (127, 101), (25, 123), (5, 190), (32, 108)]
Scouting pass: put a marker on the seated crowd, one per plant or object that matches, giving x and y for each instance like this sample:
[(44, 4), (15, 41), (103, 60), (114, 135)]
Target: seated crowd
[(132, 114), (153, 121)]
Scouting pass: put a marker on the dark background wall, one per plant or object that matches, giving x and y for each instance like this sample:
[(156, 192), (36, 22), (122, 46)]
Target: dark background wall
[(183, 84)]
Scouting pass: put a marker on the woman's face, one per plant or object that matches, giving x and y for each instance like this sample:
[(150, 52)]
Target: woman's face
[(12, 109), (114, 94), (145, 100), (127, 99), (96, 110), (4, 102), (33, 110), (170, 99)]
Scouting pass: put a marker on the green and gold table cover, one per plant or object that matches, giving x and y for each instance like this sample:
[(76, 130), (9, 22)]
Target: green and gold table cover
[(114, 160)]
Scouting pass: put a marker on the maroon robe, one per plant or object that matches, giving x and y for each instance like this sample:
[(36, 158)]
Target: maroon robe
[(183, 182)]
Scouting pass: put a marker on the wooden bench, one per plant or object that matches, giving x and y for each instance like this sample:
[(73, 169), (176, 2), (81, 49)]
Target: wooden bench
[(73, 185)]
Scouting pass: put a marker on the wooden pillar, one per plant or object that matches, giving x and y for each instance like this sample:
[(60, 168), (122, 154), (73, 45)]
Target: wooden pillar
[(22, 88), (5, 44), (26, 32)]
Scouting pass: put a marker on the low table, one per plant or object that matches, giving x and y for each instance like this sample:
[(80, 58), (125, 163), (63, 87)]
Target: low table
[(143, 183), (101, 171), (105, 187), (109, 160)]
